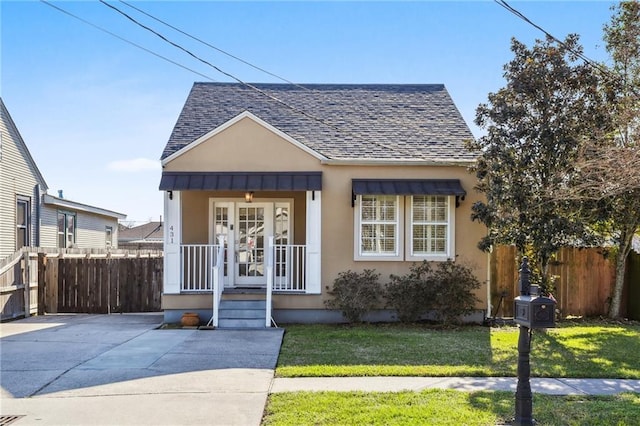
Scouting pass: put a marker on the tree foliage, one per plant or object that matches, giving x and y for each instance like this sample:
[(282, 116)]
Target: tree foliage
[(535, 126), (607, 174)]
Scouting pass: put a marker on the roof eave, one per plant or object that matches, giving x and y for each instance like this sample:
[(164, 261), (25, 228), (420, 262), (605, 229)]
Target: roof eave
[(73, 205), (397, 162)]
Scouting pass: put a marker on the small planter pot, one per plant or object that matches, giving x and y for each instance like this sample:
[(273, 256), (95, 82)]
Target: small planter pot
[(190, 319)]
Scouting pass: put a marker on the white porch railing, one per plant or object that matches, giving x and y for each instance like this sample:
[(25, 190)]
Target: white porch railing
[(269, 289), (196, 266), (290, 268), (197, 261)]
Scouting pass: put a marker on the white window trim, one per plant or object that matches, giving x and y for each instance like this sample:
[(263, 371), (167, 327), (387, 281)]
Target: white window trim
[(450, 250), (399, 254)]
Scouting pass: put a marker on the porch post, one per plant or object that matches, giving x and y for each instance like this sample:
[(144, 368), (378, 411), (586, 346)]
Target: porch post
[(172, 240), (314, 235)]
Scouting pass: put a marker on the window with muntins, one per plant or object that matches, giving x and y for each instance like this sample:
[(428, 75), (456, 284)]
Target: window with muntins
[(384, 232), (379, 217), (429, 225)]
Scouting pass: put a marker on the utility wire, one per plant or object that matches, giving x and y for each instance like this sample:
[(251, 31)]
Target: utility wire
[(249, 85), (212, 46), (612, 75), (126, 41)]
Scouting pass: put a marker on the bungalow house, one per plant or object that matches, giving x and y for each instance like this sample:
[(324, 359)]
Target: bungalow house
[(270, 191), (29, 217)]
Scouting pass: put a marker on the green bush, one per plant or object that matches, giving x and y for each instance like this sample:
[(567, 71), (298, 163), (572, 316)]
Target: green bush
[(446, 291), (409, 294), (355, 294), (453, 295)]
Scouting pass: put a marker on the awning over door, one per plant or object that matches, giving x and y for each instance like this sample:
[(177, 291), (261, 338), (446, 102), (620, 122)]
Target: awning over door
[(241, 181), (408, 187)]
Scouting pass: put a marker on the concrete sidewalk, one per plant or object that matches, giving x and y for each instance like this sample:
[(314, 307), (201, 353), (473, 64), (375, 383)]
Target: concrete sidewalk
[(396, 384)]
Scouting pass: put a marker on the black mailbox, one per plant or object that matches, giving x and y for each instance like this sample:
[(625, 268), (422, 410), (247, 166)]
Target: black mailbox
[(535, 311), (531, 310)]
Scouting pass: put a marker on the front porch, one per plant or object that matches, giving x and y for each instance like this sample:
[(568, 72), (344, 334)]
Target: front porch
[(267, 242)]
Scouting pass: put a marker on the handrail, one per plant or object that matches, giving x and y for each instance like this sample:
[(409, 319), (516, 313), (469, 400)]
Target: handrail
[(218, 282), (272, 253)]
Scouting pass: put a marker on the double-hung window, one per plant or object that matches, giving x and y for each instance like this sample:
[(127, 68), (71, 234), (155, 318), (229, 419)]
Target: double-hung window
[(385, 232), (23, 224), (429, 227), (66, 229), (379, 232)]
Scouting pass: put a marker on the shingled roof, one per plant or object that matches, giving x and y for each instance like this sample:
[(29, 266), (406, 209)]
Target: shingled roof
[(338, 121)]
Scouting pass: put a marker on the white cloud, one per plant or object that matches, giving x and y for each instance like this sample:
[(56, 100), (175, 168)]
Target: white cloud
[(134, 165)]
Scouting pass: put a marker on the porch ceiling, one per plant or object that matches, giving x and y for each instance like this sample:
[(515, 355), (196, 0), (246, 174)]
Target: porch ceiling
[(241, 181)]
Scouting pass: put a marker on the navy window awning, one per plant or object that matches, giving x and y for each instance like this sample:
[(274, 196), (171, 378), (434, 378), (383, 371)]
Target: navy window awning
[(408, 187), (241, 181)]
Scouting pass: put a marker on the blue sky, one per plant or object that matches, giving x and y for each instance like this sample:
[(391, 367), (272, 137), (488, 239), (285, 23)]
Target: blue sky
[(96, 112)]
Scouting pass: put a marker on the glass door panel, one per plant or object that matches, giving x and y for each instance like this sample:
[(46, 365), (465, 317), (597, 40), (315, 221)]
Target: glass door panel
[(253, 223)]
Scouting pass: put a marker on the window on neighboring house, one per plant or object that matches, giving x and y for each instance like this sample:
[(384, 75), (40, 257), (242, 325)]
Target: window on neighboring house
[(384, 233), (23, 225), (66, 229), (108, 236)]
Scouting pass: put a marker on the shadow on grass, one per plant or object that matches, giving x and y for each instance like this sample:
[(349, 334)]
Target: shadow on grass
[(595, 352)]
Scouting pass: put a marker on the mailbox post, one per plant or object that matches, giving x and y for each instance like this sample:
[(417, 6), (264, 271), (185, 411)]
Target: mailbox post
[(530, 311)]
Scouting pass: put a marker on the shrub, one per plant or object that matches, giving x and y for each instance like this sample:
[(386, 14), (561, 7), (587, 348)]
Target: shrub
[(446, 290), (409, 294), (453, 294), (355, 294)]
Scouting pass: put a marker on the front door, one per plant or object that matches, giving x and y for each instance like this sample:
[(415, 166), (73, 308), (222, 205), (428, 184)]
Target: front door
[(254, 224), (246, 228)]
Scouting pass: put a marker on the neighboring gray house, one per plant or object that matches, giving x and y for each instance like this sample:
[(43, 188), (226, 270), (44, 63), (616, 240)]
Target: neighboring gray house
[(30, 217)]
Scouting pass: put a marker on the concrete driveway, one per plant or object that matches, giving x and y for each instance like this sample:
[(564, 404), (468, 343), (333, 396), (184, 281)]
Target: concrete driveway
[(123, 370)]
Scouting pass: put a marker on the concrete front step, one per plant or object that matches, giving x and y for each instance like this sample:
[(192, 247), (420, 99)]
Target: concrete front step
[(242, 314)]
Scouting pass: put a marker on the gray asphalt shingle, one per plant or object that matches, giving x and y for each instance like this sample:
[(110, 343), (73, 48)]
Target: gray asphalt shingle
[(339, 121)]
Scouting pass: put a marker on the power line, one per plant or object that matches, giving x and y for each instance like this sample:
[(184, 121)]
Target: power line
[(125, 40), (249, 85), (212, 46), (612, 75)]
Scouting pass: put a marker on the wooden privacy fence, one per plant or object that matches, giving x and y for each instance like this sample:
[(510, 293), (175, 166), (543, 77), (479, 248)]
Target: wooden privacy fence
[(81, 281), (584, 285)]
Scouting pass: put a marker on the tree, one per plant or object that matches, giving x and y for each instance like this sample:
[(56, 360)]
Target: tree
[(534, 130), (606, 179)]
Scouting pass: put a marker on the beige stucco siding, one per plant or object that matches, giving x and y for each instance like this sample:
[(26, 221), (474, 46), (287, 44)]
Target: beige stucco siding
[(196, 217), (338, 227), (244, 146), (248, 146)]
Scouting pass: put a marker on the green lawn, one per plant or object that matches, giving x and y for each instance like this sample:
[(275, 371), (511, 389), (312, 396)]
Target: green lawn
[(445, 407), (597, 350)]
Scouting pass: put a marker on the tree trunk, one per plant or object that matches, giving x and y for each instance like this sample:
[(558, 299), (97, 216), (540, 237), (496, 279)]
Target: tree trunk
[(621, 262)]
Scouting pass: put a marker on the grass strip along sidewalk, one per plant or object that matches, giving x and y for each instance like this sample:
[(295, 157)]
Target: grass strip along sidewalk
[(597, 350), (445, 407), (572, 350)]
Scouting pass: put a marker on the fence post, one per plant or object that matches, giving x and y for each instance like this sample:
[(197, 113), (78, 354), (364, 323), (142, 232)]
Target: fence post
[(42, 283), (26, 279)]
